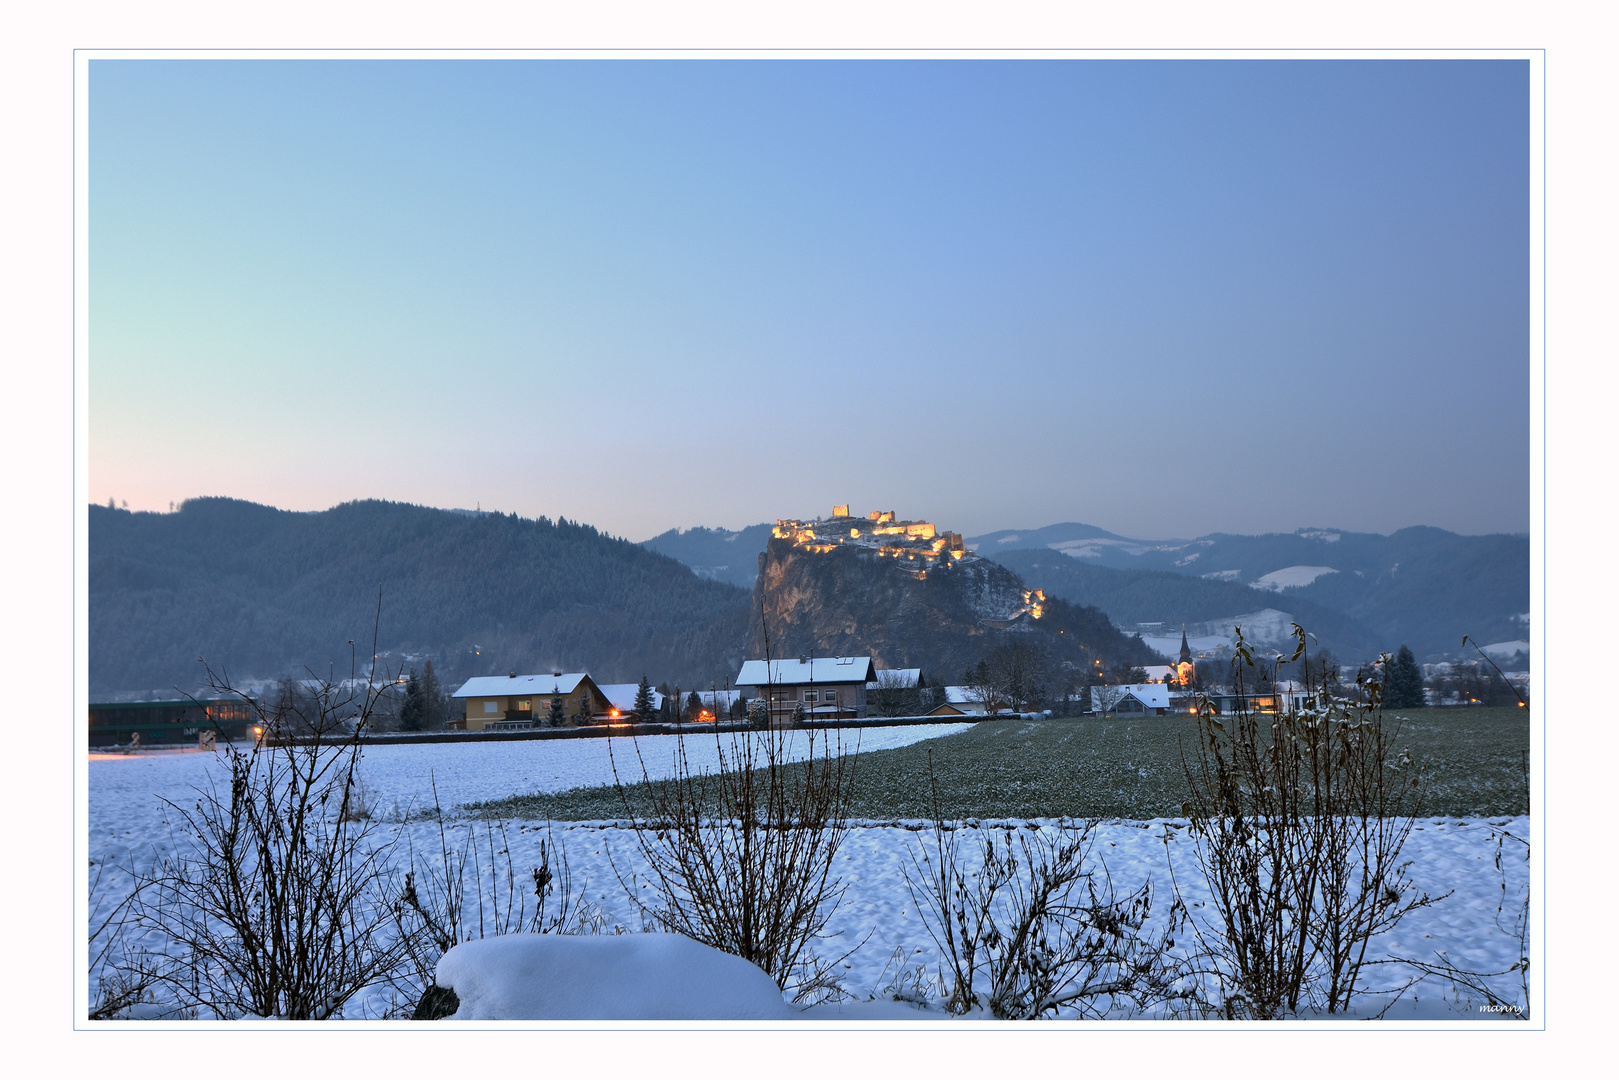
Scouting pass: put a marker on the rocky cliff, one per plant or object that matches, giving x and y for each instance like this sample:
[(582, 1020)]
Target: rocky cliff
[(941, 617)]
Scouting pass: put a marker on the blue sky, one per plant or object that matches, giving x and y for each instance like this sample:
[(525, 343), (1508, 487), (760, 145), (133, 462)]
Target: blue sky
[(1162, 297)]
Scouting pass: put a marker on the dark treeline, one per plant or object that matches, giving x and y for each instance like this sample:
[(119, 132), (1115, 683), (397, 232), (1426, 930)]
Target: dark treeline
[(265, 592)]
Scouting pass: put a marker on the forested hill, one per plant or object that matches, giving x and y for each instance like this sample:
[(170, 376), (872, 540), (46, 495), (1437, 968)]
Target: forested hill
[(267, 592), (1131, 597)]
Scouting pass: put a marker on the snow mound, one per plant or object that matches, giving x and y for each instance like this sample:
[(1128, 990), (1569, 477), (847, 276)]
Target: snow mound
[(622, 977), (1291, 577)]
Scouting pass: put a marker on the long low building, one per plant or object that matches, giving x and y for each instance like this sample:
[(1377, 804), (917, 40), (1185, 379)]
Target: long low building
[(197, 721)]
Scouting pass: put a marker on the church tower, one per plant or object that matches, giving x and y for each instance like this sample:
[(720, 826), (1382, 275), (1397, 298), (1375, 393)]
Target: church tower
[(1186, 667)]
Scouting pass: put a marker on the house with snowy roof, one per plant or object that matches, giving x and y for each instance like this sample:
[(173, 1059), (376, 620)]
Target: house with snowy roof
[(513, 702), (1137, 699), (826, 687), (968, 701)]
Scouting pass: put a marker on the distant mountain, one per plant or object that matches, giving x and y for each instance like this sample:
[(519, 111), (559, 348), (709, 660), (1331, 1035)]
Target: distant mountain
[(1139, 599), (1070, 536), (267, 592), (717, 554), (1420, 586)]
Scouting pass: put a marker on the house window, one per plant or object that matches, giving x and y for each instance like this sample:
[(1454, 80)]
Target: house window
[(829, 696), (525, 705), (489, 707), (809, 695)]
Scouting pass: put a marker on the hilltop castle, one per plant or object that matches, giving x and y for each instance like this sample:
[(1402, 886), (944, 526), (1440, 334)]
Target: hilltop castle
[(916, 542)]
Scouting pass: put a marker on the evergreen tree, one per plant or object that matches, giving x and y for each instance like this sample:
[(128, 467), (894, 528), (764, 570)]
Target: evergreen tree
[(557, 716), (644, 710), (413, 713), (435, 703), (694, 705), (1085, 698), (1403, 682), (582, 716)]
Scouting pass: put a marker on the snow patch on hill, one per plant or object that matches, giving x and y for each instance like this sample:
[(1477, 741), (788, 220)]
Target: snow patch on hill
[(1265, 627), (1505, 650), (1291, 577), (1091, 547)]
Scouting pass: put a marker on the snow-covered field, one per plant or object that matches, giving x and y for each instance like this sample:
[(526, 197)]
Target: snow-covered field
[(401, 779), (128, 828)]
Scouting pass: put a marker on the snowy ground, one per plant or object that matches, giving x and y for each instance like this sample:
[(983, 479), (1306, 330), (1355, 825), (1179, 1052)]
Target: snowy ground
[(129, 828), (400, 779)]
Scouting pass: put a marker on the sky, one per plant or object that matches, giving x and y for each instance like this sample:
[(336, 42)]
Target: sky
[(1165, 298)]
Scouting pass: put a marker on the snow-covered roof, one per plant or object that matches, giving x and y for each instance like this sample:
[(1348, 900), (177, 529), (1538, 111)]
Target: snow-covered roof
[(506, 685), (823, 669), (896, 677), (1152, 695), (621, 695)]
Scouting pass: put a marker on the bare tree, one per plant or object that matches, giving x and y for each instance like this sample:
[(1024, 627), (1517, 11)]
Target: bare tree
[(1022, 671), (983, 684), (895, 694)]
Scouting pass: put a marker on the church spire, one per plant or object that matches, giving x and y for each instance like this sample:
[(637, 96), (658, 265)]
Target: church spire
[(1186, 651)]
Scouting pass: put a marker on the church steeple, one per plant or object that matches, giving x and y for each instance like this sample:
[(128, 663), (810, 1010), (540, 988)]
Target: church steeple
[(1186, 651)]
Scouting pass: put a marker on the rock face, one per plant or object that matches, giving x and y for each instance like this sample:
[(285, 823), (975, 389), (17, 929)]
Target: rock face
[(941, 618)]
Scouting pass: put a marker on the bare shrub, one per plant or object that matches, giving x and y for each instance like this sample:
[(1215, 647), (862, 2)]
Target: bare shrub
[(122, 982), (472, 890), (1298, 820), (1029, 924), (741, 858), (278, 902)]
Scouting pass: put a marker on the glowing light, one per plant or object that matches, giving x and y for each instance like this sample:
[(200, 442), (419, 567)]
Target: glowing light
[(612, 712)]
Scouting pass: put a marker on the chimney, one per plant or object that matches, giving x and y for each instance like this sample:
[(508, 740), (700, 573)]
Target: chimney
[(511, 675), (556, 674)]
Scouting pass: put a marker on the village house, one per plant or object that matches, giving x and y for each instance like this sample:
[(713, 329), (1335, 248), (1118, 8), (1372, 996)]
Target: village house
[(967, 701), (827, 687), (515, 702), (1131, 699)]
